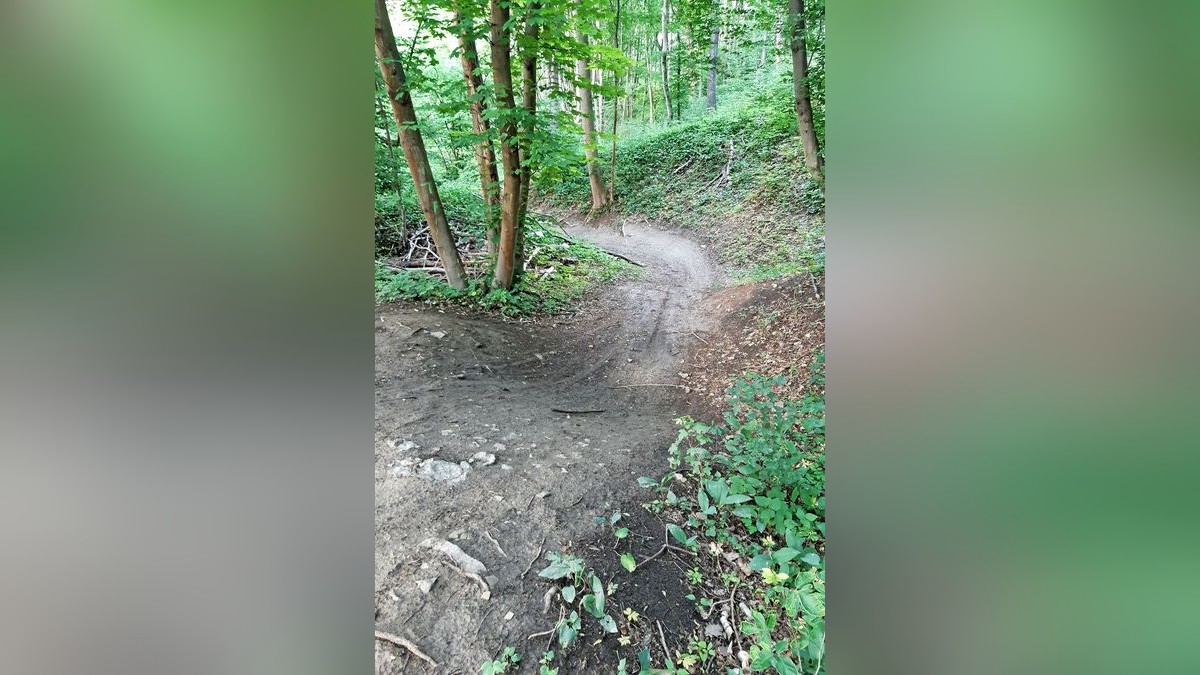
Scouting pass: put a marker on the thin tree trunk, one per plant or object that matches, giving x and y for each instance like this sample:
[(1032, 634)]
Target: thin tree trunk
[(804, 114), (712, 68), (599, 192), (666, 66), (485, 155), (529, 102), (414, 147), (387, 133), (509, 153), (650, 98), (612, 156)]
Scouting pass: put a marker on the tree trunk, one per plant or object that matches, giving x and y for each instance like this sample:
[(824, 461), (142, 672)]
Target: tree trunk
[(666, 66), (414, 147), (612, 157), (485, 155), (712, 68), (599, 192), (510, 206), (529, 102), (650, 98), (804, 114)]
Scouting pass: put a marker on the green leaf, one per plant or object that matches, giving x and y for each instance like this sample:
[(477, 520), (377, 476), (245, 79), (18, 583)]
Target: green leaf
[(566, 635), (628, 562), (785, 666), (760, 561), (812, 604), (784, 555), (646, 482), (812, 558), (621, 532), (718, 489), (677, 532), (589, 605), (555, 570), (744, 511), (608, 624), (614, 518), (598, 591), (568, 593), (644, 659), (702, 500)]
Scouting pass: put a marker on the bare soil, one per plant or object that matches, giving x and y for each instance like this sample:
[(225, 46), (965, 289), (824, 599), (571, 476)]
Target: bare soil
[(451, 383)]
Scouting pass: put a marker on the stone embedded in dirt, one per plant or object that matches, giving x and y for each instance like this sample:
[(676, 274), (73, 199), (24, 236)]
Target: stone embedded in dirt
[(506, 467), (509, 616), (483, 458), (499, 447), (440, 470), (438, 334), (492, 579), (402, 446), (426, 585)]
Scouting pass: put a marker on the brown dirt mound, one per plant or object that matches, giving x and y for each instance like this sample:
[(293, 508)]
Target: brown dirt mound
[(770, 327)]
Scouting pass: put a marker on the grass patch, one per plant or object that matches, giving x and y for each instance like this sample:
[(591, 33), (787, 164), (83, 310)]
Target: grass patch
[(558, 272)]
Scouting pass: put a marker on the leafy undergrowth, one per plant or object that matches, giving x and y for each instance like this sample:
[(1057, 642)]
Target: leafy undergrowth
[(558, 271), (745, 510), (752, 488), (736, 177)]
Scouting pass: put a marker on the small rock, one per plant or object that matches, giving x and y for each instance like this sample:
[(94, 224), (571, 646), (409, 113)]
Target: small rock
[(492, 579), (509, 616), (499, 447), (438, 334), (426, 585), (483, 458), (441, 470), (458, 534), (506, 467)]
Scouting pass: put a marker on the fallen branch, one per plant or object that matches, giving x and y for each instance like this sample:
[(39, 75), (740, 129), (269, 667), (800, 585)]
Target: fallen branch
[(683, 166), (630, 386), (401, 642), (666, 652), (578, 412), (618, 255)]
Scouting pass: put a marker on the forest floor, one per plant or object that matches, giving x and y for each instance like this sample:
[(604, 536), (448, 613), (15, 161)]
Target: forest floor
[(474, 447)]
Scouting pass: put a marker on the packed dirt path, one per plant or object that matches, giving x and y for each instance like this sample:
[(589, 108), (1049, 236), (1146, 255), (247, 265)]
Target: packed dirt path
[(451, 384)]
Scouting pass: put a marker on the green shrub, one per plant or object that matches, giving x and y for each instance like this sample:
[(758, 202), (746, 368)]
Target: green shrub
[(759, 480)]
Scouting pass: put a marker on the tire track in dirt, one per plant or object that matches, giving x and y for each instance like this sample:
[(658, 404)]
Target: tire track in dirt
[(451, 383)]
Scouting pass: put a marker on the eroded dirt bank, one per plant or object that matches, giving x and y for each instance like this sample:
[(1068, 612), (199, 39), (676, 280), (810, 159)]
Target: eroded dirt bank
[(472, 446)]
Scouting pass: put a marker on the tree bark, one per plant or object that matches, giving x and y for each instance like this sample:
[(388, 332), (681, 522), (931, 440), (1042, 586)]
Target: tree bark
[(414, 146), (529, 102), (665, 42), (612, 157), (485, 155), (804, 114), (509, 152), (712, 67), (599, 192)]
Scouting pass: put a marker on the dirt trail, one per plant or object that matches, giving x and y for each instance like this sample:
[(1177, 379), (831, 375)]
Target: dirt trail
[(451, 383)]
